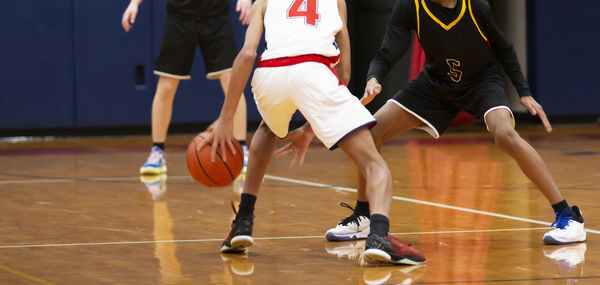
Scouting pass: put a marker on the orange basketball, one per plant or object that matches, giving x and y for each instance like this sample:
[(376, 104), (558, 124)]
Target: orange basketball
[(213, 174)]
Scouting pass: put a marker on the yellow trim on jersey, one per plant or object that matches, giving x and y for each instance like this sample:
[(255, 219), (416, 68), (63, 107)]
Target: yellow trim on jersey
[(418, 23), (476, 25), (449, 26)]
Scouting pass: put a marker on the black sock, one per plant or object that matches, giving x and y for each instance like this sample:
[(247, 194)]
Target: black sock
[(160, 145), (362, 208), (380, 225), (560, 206), (246, 209)]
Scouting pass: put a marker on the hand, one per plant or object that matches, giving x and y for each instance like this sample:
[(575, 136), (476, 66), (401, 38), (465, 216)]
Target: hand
[(536, 109), (221, 136), (129, 16), (300, 140), (244, 6), (371, 90)]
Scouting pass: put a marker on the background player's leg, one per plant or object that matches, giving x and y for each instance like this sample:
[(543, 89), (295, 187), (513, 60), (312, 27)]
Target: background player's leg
[(569, 226), (239, 119), (499, 122), (162, 107)]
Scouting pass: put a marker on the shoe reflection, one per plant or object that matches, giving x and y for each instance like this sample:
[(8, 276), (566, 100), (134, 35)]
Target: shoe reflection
[(350, 249), (238, 264), (569, 259), (393, 274), (170, 267), (156, 185)]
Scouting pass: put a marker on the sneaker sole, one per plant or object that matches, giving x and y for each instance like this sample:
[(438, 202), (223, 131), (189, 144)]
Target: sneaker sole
[(238, 244), (378, 256), (330, 236), (152, 170), (552, 241)]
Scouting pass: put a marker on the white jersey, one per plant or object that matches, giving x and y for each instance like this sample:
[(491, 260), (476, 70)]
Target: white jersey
[(299, 27)]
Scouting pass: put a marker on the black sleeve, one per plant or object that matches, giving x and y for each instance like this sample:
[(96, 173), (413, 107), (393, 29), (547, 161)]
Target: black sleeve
[(505, 52), (396, 40)]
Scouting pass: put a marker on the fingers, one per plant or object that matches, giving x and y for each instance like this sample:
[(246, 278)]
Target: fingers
[(132, 19), (284, 151), (377, 89), (544, 118), (231, 148), (291, 166), (125, 22), (302, 155), (531, 109)]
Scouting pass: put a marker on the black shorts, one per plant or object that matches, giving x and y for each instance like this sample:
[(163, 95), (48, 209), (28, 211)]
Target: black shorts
[(436, 103), (215, 37)]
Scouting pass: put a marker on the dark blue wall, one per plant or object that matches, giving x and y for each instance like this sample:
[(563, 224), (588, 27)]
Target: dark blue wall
[(563, 42), (68, 63)]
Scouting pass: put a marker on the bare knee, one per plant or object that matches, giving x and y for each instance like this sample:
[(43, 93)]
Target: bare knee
[(376, 168), (165, 90), (377, 138), (506, 138)]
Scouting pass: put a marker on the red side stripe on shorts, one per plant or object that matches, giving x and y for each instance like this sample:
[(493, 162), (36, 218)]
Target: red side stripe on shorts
[(292, 60)]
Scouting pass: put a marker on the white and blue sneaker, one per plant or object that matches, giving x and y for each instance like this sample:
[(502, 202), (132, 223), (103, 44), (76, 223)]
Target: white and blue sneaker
[(568, 228), (156, 163), (352, 227)]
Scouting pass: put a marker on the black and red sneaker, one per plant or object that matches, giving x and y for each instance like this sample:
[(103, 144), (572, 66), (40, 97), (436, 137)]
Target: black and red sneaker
[(240, 236), (389, 250)]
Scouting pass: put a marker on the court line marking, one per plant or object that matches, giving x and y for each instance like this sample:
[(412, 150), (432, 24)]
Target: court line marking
[(24, 275), (304, 182), (347, 189), (256, 238)]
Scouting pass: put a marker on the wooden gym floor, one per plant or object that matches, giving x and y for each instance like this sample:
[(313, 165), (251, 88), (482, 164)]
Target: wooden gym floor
[(75, 212)]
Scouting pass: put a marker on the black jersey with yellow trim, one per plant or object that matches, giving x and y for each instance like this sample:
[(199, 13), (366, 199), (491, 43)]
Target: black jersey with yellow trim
[(198, 8), (459, 43)]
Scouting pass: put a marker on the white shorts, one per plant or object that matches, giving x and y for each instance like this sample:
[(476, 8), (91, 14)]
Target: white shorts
[(311, 87)]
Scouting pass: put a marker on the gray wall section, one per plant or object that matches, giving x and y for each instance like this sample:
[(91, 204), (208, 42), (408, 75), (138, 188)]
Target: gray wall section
[(512, 19)]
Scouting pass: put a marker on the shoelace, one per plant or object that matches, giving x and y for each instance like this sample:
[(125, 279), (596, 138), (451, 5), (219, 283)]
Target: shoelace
[(563, 218), (155, 157), (350, 219)]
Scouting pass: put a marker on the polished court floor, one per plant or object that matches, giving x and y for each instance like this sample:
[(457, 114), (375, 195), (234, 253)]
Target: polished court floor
[(74, 211)]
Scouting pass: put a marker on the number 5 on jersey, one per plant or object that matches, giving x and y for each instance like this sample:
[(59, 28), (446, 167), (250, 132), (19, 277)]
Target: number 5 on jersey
[(306, 9)]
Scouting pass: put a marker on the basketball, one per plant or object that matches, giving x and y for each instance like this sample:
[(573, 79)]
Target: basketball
[(213, 174)]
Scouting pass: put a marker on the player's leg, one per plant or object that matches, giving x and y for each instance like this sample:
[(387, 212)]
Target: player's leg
[(569, 224), (414, 107), (261, 151), (173, 64), (276, 111), (380, 246), (162, 106), (391, 120)]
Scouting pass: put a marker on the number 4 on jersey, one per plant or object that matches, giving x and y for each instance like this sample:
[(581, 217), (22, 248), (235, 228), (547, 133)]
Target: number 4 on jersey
[(306, 9)]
